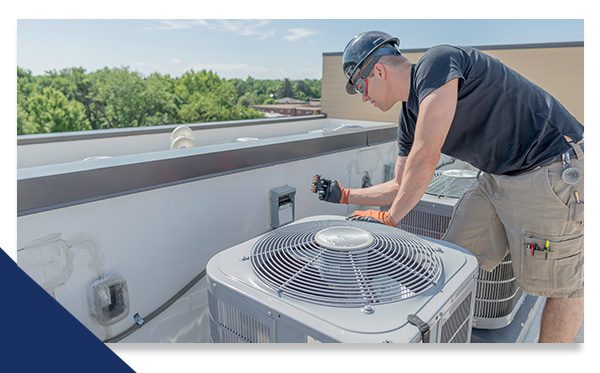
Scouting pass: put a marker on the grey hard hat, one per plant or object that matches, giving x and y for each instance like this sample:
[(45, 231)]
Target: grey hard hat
[(361, 47)]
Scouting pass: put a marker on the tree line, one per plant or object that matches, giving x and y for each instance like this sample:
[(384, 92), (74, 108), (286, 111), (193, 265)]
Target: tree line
[(73, 99)]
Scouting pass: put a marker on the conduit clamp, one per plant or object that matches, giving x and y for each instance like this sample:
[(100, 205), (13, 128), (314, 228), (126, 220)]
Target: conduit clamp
[(138, 319)]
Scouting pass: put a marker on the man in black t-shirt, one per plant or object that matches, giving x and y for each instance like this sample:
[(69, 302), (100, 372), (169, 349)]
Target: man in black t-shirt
[(468, 105)]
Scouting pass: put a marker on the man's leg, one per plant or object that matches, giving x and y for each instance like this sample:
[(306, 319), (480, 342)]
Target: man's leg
[(540, 210), (561, 320), (476, 226)]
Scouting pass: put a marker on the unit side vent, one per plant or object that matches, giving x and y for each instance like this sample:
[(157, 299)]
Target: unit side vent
[(230, 325), (425, 223), (456, 328), (497, 291)]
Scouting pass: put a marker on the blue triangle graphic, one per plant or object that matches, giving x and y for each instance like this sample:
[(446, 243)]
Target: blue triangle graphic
[(39, 335)]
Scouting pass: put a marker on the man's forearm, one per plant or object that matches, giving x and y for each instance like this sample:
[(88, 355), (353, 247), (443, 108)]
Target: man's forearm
[(377, 195), (418, 174)]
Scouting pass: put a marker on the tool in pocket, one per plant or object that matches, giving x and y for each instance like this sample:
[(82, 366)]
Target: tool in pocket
[(532, 247)]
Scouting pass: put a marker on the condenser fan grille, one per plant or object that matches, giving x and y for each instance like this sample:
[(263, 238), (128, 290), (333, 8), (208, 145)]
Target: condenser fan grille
[(345, 263), (451, 183)]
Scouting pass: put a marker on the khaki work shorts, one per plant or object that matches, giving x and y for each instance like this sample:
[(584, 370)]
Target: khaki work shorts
[(501, 213)]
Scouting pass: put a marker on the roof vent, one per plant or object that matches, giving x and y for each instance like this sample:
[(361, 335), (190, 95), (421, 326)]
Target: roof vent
[(182, 137)]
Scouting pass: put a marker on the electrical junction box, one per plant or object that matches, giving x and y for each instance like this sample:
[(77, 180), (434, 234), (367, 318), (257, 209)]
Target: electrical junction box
[(388, 171), (282, 206), (109, 299)]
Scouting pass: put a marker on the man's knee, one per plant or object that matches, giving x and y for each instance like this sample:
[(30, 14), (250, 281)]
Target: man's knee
[(561, 320), (574, 305)]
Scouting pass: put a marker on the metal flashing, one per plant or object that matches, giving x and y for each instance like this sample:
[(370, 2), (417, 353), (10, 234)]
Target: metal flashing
[(52, 191), (135, 131), (567, 44)]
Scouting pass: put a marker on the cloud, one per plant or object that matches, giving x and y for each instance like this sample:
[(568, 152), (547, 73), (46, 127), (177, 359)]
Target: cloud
[(295, 34), (242, 27), (175, 24)]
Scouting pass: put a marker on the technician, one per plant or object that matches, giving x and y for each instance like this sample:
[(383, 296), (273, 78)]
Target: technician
[(468, 105)]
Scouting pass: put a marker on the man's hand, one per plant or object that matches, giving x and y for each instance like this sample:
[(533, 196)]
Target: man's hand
[(329, 190), (373, 216)]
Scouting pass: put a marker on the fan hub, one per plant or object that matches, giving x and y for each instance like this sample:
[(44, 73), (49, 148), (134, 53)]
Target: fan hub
[(344, 238)]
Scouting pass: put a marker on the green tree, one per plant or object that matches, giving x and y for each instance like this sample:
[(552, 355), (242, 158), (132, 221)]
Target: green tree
[(50, 111), (25, 84), (300, 90), (312, 88), (118, 97), (119, 93), (205, 82), (22, 120), (76, 85), (204, 96), (201, 108), (249, 98), (159, 103), (285, 89)]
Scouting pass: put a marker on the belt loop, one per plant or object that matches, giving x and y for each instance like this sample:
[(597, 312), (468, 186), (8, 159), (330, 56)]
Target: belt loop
[(578, 149)]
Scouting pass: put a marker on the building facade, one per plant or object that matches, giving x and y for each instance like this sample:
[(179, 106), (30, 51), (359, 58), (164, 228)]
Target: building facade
[(556, 67)]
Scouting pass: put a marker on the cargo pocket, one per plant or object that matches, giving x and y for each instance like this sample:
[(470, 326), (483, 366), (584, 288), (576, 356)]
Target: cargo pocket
[(553, 273), (568, 269)]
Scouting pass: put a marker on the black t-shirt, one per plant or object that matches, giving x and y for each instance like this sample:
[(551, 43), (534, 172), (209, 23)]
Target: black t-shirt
[(503, 124)]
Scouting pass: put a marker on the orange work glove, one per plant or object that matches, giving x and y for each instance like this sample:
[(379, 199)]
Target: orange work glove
[(329, 190), (373, 216)]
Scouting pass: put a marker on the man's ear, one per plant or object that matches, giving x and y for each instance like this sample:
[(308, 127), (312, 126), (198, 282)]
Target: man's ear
[(379, 70)]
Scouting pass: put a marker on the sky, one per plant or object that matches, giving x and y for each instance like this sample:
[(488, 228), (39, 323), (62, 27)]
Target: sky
[(238, 48)]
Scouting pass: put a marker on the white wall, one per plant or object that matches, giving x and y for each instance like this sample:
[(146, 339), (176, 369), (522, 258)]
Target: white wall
[(160, 239)]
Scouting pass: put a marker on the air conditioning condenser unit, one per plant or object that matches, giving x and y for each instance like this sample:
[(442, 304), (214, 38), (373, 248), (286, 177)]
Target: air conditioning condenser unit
[(326, 279)]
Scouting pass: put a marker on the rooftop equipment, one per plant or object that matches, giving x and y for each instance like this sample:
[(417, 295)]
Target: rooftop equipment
[(326, 279), (182, 137)]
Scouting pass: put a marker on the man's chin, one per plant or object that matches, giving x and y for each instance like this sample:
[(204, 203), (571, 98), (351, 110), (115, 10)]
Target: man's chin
[(376, 105)]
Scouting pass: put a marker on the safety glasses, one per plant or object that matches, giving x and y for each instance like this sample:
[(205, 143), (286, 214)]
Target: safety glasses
[(361, 86)]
